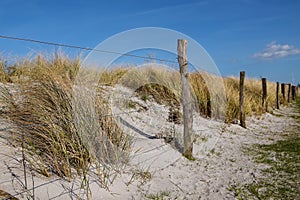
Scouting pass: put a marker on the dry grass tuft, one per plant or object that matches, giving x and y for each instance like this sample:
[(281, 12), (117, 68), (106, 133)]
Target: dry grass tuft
[(40, 107), (4, 76), (160, 93), (27, 69), (152, 74), (201, 93), (41, 117), (111, 77)]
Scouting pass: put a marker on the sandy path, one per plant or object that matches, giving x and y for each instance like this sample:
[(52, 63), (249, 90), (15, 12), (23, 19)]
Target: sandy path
[(157, 169)]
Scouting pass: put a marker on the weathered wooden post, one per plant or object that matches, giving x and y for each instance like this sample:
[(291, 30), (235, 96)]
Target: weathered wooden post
[(186, 100), (264, 95), (289, 92), (277, 95), (208, 104), (283, 91), (294, 92), (242, 111)]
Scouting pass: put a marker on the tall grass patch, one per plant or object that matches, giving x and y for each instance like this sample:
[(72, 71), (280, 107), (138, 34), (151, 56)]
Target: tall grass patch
[(40, 109), (252, 95)]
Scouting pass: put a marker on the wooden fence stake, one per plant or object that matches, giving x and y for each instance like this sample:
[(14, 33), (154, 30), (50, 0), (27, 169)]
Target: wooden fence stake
[(208, 105), (264, 95), (283, 91), (187, 102), (277, 95), (242, 111), (289, 92), (294, 93)]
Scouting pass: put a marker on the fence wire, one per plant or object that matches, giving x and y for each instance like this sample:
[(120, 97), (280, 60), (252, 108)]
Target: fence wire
[(85, 48)]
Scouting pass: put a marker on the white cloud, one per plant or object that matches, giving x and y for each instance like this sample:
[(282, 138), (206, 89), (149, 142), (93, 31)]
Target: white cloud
[(274, 50)]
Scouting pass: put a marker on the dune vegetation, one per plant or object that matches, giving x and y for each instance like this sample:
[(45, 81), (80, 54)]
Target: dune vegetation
[(36, 98)]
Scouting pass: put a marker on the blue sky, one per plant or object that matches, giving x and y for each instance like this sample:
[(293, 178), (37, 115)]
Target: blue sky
[(260, 37)]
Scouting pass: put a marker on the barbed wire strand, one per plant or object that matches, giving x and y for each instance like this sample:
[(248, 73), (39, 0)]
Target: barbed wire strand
[(84, 48)]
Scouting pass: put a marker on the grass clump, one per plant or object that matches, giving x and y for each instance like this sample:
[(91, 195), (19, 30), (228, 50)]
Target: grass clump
[(159, 196), (201, 93), (160, 93), (28, 69), (112, 77), (3, 76), (153, 77), (44, 121)]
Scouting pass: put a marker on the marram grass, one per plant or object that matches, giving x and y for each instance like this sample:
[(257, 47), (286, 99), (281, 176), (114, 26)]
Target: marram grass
[(39, 107)]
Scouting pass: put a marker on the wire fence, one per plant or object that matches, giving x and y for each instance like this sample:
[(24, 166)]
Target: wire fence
[(85, 48), (117, 116)]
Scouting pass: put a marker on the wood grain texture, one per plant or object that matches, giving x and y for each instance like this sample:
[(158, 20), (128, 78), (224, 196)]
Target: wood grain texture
[(187, 102)]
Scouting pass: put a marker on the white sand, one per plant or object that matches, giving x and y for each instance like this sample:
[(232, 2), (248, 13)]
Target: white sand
[(218, 151)]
